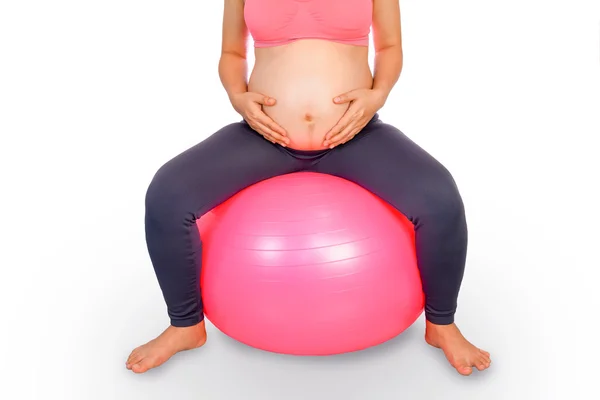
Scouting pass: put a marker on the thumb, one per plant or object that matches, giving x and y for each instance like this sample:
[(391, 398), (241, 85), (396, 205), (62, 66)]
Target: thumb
[(262, 99), (345, 98)]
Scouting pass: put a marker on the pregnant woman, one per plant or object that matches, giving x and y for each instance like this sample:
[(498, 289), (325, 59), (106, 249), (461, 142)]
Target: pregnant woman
[(310, 105)]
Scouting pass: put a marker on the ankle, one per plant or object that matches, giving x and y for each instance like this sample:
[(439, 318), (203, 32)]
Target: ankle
[(189, 331), (185, 338), (430, 327)]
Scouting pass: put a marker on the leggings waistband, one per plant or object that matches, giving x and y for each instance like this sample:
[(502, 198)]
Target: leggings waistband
[(307, 154), (314, 154)]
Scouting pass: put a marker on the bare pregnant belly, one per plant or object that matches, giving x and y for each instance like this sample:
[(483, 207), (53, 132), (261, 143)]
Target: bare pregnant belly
[(304, 77)]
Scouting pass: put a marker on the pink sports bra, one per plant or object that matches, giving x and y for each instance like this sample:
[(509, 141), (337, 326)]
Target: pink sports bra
[(277, 22)]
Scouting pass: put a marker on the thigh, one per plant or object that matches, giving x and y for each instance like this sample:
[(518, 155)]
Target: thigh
[(210, 172), (386, 162)]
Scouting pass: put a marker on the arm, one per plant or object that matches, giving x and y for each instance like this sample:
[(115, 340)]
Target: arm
[(364, 103), (387, 38), (233, 71), (233, 66)]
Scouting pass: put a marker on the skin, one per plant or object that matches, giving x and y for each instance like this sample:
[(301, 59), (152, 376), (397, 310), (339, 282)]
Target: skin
[(308, 126), (326, 70)]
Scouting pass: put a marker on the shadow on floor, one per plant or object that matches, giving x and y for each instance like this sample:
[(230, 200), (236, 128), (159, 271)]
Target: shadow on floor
[(396, 344)]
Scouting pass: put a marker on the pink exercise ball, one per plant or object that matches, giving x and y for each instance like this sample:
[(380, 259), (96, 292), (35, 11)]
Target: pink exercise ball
[(309, 264)]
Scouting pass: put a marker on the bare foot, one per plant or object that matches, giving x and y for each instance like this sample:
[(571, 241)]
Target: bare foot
[(171, 341), (459, 351)]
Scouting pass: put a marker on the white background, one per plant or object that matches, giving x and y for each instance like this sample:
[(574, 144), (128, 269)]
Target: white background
[(96, 95)]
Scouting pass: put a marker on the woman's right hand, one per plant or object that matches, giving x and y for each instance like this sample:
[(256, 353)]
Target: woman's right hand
[(249, 105)]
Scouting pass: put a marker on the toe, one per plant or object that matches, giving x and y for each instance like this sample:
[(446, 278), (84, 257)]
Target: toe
[(134, 358), (463, 370), (133, 354), (141, 366), (483, 363), (486, 357), (485, 352)]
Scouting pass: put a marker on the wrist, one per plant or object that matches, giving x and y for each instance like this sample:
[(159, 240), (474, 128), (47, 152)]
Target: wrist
[(234, 94), (380, 96)]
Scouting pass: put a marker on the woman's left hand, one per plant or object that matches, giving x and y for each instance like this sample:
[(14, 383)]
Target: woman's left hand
[(364, 103)]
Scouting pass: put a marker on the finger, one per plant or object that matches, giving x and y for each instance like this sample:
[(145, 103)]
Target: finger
[(266, 131), (276, 135), (341, 139), (349, 137), (352, 130), (345, 98), (269, 101), (343, 135), (268, 122), (262, 99), (269, 138), (258, 129), (338, 128)]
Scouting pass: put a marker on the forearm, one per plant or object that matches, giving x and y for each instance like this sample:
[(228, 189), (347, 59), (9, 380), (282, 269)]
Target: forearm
[(233, 71), (388, 65)]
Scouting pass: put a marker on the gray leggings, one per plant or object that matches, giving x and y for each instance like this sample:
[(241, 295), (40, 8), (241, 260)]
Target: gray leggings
[(380, 158)]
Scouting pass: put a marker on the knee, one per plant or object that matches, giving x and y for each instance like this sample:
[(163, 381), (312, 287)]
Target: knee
[(442, 198), (163, 194)]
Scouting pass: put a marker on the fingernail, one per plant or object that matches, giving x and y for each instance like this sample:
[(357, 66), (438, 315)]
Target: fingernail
[(337, 99)]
